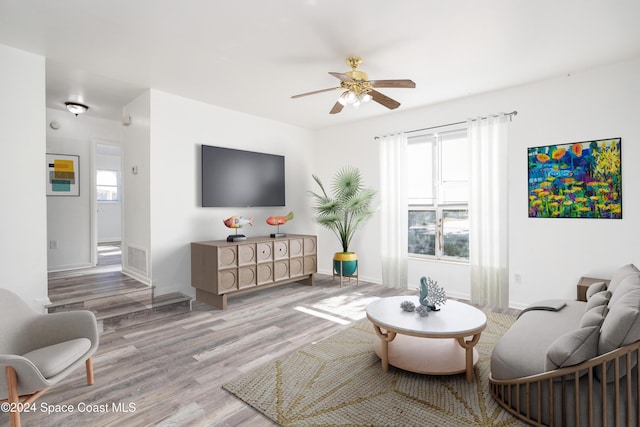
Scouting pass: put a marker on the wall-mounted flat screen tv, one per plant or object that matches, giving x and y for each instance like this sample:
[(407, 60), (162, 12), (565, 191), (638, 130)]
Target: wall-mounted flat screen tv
[(237, 178)]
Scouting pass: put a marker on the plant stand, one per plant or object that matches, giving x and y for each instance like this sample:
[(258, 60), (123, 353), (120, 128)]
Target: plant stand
[(355, 274)]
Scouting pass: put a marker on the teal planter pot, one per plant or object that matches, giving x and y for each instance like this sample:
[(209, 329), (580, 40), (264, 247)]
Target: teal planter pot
[(345, 263)]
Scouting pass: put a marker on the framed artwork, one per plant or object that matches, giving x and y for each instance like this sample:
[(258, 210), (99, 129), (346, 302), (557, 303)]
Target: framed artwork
[(576, 180), (63, 175)]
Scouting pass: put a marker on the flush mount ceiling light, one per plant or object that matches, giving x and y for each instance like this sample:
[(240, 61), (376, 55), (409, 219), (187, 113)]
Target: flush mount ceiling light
[(76, 108)]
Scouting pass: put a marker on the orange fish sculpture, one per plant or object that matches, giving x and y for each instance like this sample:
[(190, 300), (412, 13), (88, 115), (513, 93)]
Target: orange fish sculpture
[(279, 220), (237, 222)]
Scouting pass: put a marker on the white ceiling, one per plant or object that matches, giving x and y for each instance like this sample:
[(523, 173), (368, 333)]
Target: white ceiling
[(252, 55)]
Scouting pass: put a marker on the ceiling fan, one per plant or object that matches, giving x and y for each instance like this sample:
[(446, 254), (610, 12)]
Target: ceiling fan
[(359, 89)]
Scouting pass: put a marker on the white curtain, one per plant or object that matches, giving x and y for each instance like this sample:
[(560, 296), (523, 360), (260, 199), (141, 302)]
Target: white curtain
[(488, 242), (393, 196)]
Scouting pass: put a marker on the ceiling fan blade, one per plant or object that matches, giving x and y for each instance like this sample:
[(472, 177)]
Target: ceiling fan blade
[(384, 100), (314, 92), (337, 107), (341, 76), (393, 83)]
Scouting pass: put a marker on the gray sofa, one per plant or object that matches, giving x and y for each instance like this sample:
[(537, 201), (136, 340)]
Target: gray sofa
[(574, 363)]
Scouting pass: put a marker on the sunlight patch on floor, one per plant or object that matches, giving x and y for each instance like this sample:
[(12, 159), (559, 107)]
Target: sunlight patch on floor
[(352, 306), (342, 309), (322, 315)]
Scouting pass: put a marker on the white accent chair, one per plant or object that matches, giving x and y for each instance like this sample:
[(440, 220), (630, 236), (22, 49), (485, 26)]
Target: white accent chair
[(39, 350)]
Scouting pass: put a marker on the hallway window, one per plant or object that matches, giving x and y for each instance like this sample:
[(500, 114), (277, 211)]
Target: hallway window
[(107, 185)]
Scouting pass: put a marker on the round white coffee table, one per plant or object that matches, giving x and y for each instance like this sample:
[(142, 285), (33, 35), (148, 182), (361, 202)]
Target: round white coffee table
[(433, 344)]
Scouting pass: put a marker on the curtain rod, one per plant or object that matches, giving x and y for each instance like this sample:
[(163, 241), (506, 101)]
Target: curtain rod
[(511, 116)]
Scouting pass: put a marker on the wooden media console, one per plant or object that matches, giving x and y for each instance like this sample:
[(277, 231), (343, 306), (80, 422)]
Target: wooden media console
[(220, 268)]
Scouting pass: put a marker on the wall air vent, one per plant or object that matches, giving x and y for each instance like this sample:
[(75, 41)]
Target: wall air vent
[(137, 260)]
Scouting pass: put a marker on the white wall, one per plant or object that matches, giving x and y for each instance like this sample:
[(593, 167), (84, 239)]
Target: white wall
[(109, 222), (136, 188), (69, 218), (179, 127), (549, 255), (23, 257)]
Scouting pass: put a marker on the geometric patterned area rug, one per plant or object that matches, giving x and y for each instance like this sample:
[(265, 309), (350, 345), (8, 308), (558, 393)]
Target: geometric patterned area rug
[(339, 382)]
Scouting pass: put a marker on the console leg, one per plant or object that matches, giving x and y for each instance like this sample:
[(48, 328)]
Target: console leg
[(218, 301)]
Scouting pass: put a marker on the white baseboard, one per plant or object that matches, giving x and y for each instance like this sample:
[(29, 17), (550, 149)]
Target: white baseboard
[(142, 279), (364, 278), (69, 267)]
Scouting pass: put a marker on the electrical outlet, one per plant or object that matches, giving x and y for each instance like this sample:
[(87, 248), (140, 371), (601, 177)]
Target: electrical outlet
[(517, 278), (53, 244)]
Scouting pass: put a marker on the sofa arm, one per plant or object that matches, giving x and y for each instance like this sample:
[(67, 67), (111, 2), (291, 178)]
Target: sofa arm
[(516, 395), (583, 285)]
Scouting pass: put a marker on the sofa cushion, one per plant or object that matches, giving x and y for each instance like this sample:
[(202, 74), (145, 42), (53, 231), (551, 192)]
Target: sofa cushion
[(620, 275), (522, 350), (626, 285), (572, 348), (53, 359), (599, 298), (621, 325), (594, 288), (594, 316)]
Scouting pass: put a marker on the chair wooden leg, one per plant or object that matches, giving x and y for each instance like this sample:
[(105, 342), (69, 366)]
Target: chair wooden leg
[(89, 366), (13, 398)]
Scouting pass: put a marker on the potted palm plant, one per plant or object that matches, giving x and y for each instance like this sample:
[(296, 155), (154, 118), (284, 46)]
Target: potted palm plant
[(343, 212)]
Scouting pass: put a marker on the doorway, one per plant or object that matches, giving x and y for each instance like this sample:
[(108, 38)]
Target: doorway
[(107, 214)]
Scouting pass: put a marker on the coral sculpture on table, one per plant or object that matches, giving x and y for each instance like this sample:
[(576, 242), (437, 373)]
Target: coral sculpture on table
[(430, 294), (408, 306)]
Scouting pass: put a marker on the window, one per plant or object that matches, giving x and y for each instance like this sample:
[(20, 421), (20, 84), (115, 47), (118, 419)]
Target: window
[(107, 185), (438, 193)]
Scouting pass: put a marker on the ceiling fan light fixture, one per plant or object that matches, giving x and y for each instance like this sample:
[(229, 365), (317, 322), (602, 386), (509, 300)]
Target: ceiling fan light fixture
[(343, 98), (365, 97), (76, 108), (351, 97)]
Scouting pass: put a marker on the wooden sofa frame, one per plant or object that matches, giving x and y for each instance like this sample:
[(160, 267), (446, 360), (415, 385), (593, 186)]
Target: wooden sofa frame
[(511, 393)]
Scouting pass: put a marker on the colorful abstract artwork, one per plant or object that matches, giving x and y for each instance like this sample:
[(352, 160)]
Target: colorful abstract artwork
[(577, 180), (63, 175)]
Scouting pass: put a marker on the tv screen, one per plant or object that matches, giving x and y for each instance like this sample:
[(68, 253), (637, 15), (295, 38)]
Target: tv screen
[(237, 178)]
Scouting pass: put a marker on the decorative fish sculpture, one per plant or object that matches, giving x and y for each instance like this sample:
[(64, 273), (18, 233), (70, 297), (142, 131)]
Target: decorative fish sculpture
[(237, 222), (279, 220)]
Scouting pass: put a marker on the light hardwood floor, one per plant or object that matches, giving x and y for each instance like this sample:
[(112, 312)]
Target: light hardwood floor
[(170, 371)]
